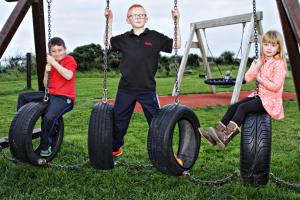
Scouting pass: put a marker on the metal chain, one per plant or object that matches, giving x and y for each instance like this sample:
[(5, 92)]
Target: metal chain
[(105, 58), (176, 62), (46, 96), (5, 156), (49, 19), (221, 181), (284, 183), (255, 41), (137, 166), (212, 55), (71, 166), (240, 51)]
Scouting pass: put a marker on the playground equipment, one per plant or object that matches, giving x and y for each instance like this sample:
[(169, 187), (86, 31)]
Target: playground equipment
[(160, 148), (24, 125), (100, 134), (203, 25)]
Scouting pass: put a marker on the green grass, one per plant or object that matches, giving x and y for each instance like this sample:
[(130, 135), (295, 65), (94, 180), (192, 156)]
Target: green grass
[(22, 181)]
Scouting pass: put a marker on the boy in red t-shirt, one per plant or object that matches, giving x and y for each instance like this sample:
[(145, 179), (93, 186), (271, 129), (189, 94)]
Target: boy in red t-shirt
[(62, 68)]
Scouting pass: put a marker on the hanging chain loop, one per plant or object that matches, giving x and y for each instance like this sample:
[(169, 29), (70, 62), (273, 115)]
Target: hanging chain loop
[(255, 41), (136, 166), (282, 182), (46, 96), (140, 166), (221, 181), (69, 166), (176, 59), (105, 56)]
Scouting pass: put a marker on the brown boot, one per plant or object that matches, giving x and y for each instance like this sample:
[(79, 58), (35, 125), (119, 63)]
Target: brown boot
[(224, 137), (219, 128), (209, 139)]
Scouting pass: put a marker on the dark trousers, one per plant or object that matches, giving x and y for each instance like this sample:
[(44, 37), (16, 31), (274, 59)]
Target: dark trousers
[(238, 111), (124, 107), (26, 97), (57, 106)]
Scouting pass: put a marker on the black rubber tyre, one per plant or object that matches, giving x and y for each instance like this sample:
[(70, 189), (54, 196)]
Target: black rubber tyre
[(20, 134), (100, 136), (160, 139), (255, 155)]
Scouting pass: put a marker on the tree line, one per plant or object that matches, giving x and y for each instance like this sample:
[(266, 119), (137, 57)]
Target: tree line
[(90, 58)]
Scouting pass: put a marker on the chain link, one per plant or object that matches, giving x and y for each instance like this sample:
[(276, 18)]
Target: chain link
[(105, 57), (49, 19), (212, 55), (176, 62), (284, 183), (221, 181), (140, 166), (137, 166), (255, 41), (71, 166), (6, 157), (46, 96)]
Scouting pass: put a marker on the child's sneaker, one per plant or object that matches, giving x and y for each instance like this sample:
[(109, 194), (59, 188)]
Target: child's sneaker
[(47, 152), (118, 152)]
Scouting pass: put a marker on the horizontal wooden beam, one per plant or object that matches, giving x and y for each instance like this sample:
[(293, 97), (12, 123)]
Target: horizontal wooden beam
[(12, 23), (195, 45), (224, 21)]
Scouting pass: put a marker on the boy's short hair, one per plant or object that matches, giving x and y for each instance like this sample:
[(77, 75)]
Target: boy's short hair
[(56, 41), (135, 6)]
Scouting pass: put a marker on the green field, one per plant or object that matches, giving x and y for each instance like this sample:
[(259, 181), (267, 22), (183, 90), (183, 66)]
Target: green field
[(23, 181)]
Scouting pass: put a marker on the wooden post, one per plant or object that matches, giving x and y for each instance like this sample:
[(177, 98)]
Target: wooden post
[(204, 59), (13, 22), (40, 40), (237, 19), (290, 21), (28, 70), (244, 60)]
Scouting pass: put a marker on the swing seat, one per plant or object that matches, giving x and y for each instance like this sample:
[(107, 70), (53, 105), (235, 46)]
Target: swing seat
[(160, 143), (22, 134), (221, 81)]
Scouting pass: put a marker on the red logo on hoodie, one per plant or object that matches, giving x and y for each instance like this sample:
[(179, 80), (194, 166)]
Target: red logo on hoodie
[(149, 44)]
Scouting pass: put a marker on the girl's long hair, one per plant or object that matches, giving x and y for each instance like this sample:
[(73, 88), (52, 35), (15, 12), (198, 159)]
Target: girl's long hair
[(273, 37)]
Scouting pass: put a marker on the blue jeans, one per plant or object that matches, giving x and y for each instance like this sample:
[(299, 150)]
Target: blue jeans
[(124, 107), (57, 106)]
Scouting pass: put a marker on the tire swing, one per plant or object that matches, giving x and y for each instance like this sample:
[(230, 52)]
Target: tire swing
[(255, 154), (22, 133), (256, 139), (171, 120), (25, 126), (100, 133)]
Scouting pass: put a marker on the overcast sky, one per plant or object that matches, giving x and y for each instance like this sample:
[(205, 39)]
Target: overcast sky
[(81, 22)]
